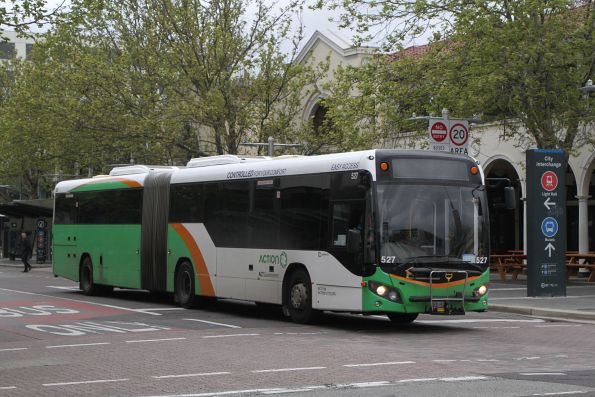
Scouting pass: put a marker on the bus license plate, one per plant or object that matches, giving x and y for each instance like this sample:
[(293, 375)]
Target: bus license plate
[(439, 307)]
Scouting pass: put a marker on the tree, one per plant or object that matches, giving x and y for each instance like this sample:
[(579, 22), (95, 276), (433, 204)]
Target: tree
[(21, 14), (521, 62), (153, 81)]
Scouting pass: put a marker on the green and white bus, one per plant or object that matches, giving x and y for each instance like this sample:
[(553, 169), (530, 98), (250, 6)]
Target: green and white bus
[(389, 232)]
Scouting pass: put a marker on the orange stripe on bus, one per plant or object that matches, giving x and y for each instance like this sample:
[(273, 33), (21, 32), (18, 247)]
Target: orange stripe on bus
[(204, 279), (127, 182), (435, 285)]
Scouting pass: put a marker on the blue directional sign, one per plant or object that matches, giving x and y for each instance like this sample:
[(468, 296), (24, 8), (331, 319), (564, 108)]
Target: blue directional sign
[(549, 227), (546, 222)]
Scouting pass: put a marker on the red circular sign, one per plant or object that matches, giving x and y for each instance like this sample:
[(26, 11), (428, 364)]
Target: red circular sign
[(459, 134), (439, 131), (549, 181)]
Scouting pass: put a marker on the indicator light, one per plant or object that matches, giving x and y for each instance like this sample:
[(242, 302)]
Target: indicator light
[(474, 170), (384, 166)]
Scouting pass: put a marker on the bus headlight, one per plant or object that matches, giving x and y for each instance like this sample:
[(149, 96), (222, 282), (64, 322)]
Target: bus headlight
[(481, 291), (385, 291)]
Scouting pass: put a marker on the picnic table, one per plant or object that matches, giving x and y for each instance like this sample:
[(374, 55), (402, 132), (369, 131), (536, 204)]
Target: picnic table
[(575, 260), (514, 260)]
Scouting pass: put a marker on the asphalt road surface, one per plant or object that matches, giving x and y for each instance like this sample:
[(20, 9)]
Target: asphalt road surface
[(54, 341)]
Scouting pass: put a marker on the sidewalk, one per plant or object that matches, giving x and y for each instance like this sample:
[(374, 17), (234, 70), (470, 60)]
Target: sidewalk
[(17, 263), (510, 296)]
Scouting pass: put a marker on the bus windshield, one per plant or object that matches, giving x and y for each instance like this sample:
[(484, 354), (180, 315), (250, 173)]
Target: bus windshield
[(432, 225)]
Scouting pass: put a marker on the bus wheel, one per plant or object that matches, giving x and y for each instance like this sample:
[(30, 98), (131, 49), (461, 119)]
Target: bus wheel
[(299, 298), (86, 278), (402, 318), (184, 286)]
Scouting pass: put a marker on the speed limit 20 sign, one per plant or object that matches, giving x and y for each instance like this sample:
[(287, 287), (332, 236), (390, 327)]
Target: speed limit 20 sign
[(449, 135)]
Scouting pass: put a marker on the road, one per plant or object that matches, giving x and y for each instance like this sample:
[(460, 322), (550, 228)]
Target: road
[(54, 341)]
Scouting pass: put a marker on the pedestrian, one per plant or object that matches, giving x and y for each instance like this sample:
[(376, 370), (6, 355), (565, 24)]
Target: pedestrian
[(25, 251)]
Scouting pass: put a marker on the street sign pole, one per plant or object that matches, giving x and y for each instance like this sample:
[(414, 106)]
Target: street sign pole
[(546, 222)]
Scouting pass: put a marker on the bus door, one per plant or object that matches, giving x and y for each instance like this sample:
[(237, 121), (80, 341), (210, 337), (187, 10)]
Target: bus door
[(348, 220), (263, 282)]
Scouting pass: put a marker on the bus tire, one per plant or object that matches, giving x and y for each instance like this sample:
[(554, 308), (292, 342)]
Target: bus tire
[(402, 318), (184, 286), (299, 298), (86, 283)]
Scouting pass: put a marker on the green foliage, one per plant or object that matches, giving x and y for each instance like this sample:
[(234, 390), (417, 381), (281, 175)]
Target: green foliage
[(519, 62), (154, 81)]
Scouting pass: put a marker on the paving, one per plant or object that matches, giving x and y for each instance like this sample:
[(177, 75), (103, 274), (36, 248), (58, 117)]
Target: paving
[(508, 296)]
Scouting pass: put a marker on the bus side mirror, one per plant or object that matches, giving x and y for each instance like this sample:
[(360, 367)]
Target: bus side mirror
[(354, 241), (510, 198)]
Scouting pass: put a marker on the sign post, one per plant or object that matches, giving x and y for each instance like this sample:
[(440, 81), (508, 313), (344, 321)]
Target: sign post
[(546, 222)]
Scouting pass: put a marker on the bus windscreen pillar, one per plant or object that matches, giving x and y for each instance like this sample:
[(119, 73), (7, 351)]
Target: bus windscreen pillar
[(546, 222)]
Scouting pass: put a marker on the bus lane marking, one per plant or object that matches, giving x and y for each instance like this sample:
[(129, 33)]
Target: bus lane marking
[(191, 375), (262, 371), (82, 301), (212, 323), (84, 382), (378, 364)]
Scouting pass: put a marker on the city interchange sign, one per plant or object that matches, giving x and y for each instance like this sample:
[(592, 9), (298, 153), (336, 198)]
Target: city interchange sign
[(546, 222)]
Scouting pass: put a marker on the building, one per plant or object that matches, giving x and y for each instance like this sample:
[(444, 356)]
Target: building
[(498, 158), (12, 45)]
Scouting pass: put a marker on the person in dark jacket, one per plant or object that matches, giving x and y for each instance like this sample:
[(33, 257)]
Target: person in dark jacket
[(25, 251)]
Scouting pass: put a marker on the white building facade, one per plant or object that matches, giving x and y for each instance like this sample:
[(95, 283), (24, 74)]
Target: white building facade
[(498, 157)]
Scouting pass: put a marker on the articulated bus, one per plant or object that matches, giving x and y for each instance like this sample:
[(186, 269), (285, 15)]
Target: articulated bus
[(389, 232)]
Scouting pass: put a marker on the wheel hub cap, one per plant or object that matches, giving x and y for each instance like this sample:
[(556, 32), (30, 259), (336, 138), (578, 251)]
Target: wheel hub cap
[(298, 296)]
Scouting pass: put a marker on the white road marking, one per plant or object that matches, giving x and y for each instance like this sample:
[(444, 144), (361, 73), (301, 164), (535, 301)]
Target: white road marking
[(558, 325), (81, 301), (299, 333), (496, 327), (261, 371), (191, 375), (84, 382), (78, 345), (562, 393), (527, 358), (165, 309), (153, 340), (228, 336), (13, 349), (326, 387), (63, 287), (543, 374), (378, 364), (303, 389), (8, 387), (212, 323), (464, 379), (367, 384), (479, 320)]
